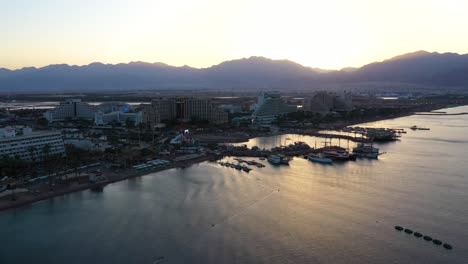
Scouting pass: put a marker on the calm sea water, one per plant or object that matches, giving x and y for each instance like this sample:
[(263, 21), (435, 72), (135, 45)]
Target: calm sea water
[(302, 213)]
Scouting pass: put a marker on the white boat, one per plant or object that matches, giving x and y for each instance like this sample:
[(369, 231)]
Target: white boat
[(320, 158), (364, 147), (366, 150)]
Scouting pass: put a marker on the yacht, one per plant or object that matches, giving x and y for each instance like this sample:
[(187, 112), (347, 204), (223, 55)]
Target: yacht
[(335, 153)]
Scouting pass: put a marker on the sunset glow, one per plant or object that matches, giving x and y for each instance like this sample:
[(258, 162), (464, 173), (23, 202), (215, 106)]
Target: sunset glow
[(325, 34)]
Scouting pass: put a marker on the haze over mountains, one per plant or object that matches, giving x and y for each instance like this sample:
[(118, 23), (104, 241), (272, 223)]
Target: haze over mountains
[(254, 73)]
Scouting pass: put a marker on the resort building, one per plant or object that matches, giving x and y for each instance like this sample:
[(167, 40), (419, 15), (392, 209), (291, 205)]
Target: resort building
[(28, 145), (119, 117), (71, 109), (183, 108), (102, 114), (325, 102), (269, 107), (159, 110)]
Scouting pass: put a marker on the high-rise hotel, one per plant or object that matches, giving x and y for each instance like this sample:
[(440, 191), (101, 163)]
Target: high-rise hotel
[(185, 108)]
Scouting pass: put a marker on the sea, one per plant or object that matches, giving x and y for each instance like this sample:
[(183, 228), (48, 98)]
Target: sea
[(301, 213)]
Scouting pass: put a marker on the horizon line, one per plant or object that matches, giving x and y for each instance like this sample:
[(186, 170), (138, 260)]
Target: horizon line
[(201, 68)]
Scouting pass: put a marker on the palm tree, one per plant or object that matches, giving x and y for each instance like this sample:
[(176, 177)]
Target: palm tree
[(16, 167), (46, 162), (4, 165), (32, 153)]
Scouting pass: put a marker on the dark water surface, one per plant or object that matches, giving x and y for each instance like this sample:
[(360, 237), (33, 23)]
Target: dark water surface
[(304, 213)]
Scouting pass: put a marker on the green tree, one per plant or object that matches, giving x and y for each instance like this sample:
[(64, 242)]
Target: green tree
[(42, 122), (129, 124)]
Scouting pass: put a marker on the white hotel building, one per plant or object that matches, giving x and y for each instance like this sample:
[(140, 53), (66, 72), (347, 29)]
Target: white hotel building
[(27, 145), (72, 109), (103, 114)]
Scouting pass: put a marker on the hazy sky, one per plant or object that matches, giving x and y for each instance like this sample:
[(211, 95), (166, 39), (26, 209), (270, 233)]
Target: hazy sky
[(200, 33)]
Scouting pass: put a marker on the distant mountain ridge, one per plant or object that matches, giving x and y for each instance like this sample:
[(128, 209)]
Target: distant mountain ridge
[(421, 67)]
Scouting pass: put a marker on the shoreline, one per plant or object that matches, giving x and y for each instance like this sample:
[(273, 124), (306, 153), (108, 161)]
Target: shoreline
[(336, 126), (24, 199)]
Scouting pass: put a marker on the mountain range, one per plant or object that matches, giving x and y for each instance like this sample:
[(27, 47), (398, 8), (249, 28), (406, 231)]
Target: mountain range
[(254, 73)]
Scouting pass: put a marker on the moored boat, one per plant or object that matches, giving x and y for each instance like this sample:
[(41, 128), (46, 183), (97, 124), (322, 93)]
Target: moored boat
[(283, 159), (366, 150), (335, 153), (274, 159), (246, 169), (320, 158)]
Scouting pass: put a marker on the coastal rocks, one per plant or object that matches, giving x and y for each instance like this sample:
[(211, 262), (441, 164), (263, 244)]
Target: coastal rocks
[(426, 238), (447, 246)]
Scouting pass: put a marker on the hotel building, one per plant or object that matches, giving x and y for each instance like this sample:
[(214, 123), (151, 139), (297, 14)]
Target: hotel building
[(28, 145)]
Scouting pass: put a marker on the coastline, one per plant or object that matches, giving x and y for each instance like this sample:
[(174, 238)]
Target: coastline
[(24, 199), (336, 126)]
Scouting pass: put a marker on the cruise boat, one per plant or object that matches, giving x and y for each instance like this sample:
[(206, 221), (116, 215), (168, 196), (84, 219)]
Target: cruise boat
[(320, 158), (366, 150), (335, 153), (365, 147)]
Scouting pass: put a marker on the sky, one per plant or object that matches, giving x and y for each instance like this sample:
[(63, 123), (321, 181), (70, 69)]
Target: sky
[(329, 34)]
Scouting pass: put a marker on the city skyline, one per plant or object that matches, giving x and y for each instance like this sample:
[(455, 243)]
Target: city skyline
[(322, 34)]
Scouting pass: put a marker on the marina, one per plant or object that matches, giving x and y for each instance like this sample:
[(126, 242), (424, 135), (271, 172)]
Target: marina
[(313, 208)]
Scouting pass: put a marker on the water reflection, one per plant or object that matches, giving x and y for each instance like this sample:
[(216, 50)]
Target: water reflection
[(302, 213)]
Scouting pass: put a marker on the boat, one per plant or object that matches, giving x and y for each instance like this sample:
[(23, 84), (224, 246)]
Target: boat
[(366, 150), (283, 159), (246, 169), (419, 128), (381, 134), (367, 155), (320, 158), (335, 153), (274, 159)]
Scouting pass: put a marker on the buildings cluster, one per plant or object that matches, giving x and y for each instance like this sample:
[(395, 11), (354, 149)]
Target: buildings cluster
[(325, 102), (102, 114), (23, 143), (183, 108), (270, 106), (160, 109)]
